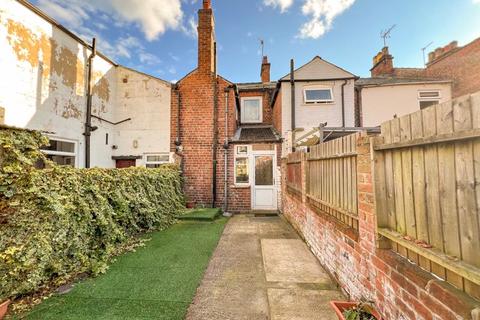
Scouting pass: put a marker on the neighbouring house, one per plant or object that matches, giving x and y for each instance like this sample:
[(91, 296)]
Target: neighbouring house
[(318, 93), (459, 64), (451, 72), (224, 134), (45, 86), (394, 92)]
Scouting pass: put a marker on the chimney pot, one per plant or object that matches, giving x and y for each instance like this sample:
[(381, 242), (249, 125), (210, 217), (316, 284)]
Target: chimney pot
[(207, 4)]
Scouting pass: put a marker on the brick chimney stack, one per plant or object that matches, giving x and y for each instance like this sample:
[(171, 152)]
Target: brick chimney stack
[(265, 71), (442, 51), (382, 64), (206, 38)]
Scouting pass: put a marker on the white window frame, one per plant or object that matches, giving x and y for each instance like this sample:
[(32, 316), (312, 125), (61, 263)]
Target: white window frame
[(260, 99), (247, 158), (430, 98), (155, 155), (321, 101), (63, 153)]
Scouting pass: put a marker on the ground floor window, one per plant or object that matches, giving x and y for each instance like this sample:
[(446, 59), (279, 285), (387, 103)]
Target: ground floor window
[(241, 171), (242, 176), (156, 160), (60, 151)]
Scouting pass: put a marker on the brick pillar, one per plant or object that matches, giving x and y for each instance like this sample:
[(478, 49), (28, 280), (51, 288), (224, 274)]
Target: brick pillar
[(366, 213)]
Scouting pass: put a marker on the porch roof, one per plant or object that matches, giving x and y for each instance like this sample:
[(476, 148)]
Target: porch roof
[(255, 134)]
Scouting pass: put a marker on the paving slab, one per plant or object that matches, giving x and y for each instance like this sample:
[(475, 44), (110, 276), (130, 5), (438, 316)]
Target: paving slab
[(261, 269), (289, 260)]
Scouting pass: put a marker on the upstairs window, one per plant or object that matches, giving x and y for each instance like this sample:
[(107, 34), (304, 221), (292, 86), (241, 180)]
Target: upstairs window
[(428, 98), (318, 95), (156, 160), (62, 152), (251, 111)]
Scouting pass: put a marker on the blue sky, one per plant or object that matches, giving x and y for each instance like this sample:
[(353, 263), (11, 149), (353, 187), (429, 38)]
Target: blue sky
[(158, 36)]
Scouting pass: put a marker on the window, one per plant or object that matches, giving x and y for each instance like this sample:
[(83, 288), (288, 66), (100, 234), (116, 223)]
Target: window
[(429, 94), (241, 171), (242, 150), (428, 98), (156, 160), (251, 111), (241, 165), (318, 95), (62, 152), (427, 103)]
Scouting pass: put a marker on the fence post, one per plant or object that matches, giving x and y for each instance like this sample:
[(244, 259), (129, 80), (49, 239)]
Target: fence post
[(304, 170)]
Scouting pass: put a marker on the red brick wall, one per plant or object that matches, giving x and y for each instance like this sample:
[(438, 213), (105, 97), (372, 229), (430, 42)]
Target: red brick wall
[(399, 289), (277, 113), (462, 66)]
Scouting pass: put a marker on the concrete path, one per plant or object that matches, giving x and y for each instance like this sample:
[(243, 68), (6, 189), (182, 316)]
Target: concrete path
[(262, 270)]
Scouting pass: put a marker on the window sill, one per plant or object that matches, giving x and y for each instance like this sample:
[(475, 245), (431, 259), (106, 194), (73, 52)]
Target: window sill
[(314, 104), (240, 186)]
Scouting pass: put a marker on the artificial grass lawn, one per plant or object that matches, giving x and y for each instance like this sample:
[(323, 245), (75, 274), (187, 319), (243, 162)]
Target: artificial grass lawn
[(156, 282), (201, 214)]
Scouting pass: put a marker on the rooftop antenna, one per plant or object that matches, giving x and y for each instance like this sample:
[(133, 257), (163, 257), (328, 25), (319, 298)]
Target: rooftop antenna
[(262, 45), (385, 34), (423, 50)]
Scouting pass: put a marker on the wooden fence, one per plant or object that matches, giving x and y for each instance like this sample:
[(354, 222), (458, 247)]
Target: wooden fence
[(332, 179), (427, 185), (294, 173)]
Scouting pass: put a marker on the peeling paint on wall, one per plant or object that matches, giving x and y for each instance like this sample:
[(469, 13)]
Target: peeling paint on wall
[(102, 88), (44, 52)]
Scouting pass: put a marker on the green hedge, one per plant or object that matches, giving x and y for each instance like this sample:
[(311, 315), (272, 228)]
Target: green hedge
[(59, 222)]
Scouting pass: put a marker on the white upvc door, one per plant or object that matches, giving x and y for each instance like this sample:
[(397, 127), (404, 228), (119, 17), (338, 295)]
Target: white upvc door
[(264, 190)]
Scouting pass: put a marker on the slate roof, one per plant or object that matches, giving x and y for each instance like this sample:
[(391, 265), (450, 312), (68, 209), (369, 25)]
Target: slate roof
[(256, 86), (385, 81), (253, 134)]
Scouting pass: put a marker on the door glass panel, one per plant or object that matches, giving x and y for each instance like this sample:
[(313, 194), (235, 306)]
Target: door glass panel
[(264, 171)]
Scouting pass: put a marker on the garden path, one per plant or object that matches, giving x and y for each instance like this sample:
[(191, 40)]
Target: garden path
[(261, 269)]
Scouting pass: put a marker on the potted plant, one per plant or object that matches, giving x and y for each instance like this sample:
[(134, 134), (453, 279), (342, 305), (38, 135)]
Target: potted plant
[(3, 308), (355, 311)]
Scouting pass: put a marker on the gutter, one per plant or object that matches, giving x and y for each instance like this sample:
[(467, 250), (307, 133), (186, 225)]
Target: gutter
[(320, 80), (88, 123)]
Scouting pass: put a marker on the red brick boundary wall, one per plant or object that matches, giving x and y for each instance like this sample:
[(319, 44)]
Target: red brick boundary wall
[(398, 288)]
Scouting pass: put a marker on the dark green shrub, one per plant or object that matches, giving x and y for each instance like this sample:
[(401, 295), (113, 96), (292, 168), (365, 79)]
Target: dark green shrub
[(62, 221)]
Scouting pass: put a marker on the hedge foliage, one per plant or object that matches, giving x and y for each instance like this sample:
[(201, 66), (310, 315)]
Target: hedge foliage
[(61, 221)]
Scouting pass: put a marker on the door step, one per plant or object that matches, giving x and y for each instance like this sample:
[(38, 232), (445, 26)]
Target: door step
[(265, 213)]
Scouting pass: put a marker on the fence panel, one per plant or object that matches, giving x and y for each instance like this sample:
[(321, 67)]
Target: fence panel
[(427, 183), (294, 173), (332, 179)]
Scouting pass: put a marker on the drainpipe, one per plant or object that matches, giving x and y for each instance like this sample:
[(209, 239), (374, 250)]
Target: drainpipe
[(343, 103), (178, 142), (215, 128), (225, 150), (88, 123), (292, 87)]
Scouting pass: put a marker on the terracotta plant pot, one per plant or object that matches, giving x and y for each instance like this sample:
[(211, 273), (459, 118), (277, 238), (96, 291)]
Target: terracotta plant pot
[(341, 306), (3, 308)]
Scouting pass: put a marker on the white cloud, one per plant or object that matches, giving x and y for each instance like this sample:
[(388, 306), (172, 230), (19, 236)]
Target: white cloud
[(322, 13), (154, 17), (148, 58), (190, 27), (282, 4)]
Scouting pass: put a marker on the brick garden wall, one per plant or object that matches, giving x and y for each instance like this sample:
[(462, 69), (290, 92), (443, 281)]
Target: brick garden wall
[(399, 289)]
